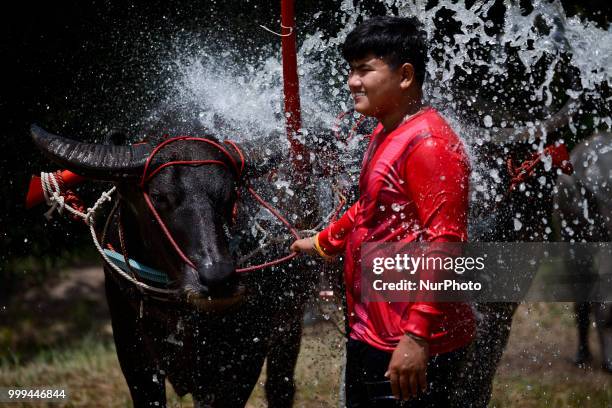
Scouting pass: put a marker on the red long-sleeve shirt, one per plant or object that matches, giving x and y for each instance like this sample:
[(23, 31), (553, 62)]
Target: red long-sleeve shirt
[(413, 187)]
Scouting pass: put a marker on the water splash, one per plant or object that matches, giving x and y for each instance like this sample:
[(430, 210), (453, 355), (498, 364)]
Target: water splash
[(484, 73)]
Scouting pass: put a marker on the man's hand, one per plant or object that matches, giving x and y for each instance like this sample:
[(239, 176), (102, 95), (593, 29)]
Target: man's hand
[(407, 368), (304, 245)]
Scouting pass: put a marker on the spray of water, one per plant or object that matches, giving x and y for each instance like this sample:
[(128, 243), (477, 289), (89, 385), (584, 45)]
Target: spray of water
[(483, 75)]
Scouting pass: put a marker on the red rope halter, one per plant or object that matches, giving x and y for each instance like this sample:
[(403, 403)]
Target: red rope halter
[(238, 170), (352, 132), (520, 174)]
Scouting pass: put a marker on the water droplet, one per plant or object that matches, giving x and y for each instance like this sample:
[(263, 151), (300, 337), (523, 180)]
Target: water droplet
[(517, 224), (488, 121)]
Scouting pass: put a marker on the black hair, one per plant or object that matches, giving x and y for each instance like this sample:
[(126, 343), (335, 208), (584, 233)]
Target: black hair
[(397, 40)]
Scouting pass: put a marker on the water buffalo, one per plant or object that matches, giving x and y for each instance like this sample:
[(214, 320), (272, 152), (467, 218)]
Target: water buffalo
[(583, 203), (523, 196), (211, 336)]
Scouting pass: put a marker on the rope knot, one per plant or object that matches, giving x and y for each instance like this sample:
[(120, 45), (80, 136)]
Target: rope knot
[(521, 173), (106, 196), (53, 186), (56, 202), (558, 155)]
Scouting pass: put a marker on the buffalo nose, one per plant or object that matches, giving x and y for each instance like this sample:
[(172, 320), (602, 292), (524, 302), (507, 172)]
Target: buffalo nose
[(219, 278)]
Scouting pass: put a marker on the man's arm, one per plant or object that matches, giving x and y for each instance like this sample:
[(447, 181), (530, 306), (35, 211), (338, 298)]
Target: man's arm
[(331, 240), (437, 177)]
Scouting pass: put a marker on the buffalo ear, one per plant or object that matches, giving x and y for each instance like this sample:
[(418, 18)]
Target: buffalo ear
[(91, 160), (116, 137), (262, 156)]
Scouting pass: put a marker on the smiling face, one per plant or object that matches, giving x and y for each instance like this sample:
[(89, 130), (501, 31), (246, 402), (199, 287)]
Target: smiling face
[(375, 86), (381, 91)]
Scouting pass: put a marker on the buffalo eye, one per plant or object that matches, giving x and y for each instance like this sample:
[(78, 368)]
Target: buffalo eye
[(164, 200)]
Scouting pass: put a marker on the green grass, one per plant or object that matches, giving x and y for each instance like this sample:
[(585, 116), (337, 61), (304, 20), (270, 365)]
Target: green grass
[(86, 371), (91, 374), (530, 375), (532, 392)]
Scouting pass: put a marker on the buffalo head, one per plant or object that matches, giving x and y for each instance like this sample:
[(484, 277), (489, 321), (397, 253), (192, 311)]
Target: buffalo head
[(194, 201)]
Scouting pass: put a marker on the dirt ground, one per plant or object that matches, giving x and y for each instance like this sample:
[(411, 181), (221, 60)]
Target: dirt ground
[(62, 335), (537, 363)]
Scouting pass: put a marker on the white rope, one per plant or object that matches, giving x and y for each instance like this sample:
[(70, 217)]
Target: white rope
[(121, 271), (275, 33), (54, 199)]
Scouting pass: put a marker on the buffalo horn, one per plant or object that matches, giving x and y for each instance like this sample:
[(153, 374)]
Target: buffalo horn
[(97, 161)]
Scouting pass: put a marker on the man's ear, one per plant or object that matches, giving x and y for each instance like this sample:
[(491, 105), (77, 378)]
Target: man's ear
[(407, 73)]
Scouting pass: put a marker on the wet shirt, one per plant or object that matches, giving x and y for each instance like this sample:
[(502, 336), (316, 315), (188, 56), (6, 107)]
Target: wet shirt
[(413, 187)]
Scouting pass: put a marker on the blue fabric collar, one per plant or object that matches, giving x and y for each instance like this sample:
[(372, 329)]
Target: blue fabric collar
[(143, 271)]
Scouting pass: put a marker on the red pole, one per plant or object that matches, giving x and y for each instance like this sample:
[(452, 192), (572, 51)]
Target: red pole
[(291, 87)]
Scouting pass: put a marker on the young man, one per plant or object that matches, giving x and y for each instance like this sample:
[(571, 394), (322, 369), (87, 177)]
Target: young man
[(413, 187)]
